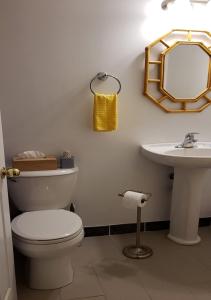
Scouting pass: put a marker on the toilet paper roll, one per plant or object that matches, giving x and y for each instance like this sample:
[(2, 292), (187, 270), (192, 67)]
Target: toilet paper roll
[(134, 199)]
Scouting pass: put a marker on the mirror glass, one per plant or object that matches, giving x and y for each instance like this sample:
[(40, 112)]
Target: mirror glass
[(185, 71)]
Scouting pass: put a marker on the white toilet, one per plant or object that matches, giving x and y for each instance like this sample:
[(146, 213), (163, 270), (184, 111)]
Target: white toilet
[(46, 231)]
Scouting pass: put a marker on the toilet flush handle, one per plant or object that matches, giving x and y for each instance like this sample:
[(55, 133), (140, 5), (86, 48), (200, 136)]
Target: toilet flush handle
[(9, 172)]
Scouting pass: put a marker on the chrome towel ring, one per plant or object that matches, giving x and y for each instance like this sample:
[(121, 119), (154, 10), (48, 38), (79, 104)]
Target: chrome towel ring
[(103, 76)]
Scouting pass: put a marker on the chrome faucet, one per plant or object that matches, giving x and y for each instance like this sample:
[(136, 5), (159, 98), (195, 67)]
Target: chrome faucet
[(189, 141)]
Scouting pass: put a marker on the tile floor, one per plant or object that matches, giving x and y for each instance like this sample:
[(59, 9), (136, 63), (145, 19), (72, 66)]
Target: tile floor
[(174, 272)]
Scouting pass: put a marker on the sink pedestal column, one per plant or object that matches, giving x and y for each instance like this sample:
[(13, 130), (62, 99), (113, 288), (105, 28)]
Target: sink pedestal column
[(185, 206)]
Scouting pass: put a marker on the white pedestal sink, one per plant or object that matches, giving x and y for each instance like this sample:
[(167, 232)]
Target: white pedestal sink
[(190, 169)]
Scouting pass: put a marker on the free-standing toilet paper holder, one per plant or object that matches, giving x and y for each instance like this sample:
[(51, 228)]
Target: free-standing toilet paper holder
[(139, 250)]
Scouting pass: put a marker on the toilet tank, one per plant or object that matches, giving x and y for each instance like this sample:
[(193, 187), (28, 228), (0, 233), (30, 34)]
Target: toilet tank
[(38, 190)]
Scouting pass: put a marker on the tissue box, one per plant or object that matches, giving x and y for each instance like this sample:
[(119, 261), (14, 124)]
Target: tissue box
[(36, 164), (67, 163)]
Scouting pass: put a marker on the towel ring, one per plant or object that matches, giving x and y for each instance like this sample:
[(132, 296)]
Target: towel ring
[(103, 76)]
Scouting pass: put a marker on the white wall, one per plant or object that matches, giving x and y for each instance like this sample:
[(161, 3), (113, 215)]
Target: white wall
[(50, 50)]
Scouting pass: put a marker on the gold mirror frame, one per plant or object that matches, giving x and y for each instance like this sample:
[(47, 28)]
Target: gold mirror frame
[(162, 98)]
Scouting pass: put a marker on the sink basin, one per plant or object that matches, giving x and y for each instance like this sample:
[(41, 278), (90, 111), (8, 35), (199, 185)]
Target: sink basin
[(190, 170), (167, 154)]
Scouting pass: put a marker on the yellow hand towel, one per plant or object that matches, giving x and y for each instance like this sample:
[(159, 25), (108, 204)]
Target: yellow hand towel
[(105, 112)]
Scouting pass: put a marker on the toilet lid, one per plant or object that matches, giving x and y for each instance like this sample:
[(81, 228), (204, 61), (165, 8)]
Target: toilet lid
[(47, 224)]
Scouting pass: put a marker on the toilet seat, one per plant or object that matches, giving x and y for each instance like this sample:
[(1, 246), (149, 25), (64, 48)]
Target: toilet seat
[(47, 226), (48, 242)]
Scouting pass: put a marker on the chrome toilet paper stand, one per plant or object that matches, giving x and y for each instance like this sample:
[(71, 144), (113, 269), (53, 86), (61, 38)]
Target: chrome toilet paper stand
[(138, 250)]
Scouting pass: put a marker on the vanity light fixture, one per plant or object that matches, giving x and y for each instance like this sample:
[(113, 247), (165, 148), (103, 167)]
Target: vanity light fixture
[(165, 3), (199, 1)]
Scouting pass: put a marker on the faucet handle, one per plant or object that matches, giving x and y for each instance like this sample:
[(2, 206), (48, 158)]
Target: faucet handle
[(191, 134), (188, 141)]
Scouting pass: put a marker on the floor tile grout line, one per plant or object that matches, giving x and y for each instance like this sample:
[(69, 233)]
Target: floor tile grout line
[(99, 281), (143, 287), (81, 298), (147, 292), (92, 297), (122, 257)]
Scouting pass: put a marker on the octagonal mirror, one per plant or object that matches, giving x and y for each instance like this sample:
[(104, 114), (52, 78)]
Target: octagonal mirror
[(185, 71), (177, 71)]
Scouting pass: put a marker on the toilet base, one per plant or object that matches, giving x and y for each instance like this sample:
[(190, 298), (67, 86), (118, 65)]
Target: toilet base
[(49, 273)]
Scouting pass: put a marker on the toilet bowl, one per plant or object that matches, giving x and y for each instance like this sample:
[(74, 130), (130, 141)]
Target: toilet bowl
[(46, 238), (46, 230)]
